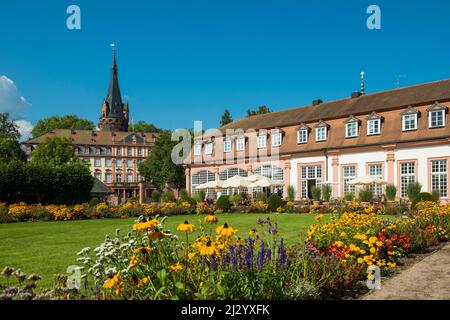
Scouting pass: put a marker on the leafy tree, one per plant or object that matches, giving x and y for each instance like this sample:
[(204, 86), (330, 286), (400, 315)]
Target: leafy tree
[(226, 118), (56, 151), (159, 168), (8, 129), (10, 150), (143, 126), (65, 122), (260, 110)]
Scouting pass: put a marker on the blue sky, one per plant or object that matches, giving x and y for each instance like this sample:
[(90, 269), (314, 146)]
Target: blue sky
[(181, 61)]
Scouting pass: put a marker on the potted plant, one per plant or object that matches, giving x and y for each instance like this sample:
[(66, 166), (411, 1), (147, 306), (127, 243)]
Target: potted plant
[(326, 193), (365, 196), (316, 195), (391, 193)]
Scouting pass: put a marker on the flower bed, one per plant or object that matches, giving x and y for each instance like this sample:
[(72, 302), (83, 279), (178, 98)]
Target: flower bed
[(152, 263)]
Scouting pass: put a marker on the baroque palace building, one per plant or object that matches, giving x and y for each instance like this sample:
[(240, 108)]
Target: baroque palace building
[(400, 135), (113, 152)]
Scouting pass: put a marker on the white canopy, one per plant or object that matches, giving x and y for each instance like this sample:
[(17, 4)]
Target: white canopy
[(367, 180), (236, 182), (211, 185), (265, 182)]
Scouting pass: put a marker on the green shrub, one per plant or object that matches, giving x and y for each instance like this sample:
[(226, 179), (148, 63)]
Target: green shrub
[(391, 192), (316, 193), (413, 191), (261, 196), (348, 196), (274, 202), (94, 202), (168, 197), (156, 196), (423, 196), (366, 195), (436, 195), (184, 194), (4, 216), (236, 199), (223, 203), (326, 192), (42, 214), (291, 193)]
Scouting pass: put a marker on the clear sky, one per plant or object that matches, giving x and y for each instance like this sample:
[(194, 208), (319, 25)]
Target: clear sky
[(186, 60)]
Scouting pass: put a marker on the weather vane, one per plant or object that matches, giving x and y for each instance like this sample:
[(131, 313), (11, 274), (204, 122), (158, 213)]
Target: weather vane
[(113, 45)]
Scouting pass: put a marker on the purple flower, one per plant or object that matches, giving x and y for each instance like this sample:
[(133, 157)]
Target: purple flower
[(282, 254), (261, 256), (267, 220), (272, 230), (260, 221)]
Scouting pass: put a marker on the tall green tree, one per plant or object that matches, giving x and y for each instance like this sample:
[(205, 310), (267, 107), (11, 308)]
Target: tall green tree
[(9, 140), (143, 126), (226, 118), (65, 122), (159, 167), (55, 151), (260, 110)]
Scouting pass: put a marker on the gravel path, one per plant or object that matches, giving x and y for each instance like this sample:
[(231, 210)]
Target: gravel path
[(428, 279)]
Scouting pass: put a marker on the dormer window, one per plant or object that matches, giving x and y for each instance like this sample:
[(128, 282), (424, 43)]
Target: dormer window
[(197, 149), (227, 146), (240, 143), (374, 124), (302, 134), (351, 127), (262, 140), (277, 138), (436, 116), (321, 131), (409, 119), (208, 148)]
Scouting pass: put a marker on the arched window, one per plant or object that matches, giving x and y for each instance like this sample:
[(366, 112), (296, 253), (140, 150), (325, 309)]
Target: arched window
[(270, 171), (230, 173), (202, 177)]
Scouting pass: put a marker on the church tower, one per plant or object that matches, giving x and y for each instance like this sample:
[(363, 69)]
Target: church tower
[(115, 114)]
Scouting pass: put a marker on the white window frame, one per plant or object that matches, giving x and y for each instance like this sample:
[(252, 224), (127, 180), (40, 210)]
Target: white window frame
[(277, 139), (439, 177), (404, 119), (108, 162), (262, 141), (240, 144), (371, 127), (197, 149), (347, 128), (430, 118), (347, 177), (407, 176), (97, 162), (227, 145), (302, 133), (319, 129), (208, 148), (378, 173)]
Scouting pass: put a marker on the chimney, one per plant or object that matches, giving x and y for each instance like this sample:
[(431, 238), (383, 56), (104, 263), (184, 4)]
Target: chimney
[(356, 94), (316, 102)]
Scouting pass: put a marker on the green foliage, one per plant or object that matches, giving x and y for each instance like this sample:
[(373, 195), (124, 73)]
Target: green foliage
[(391, 192), (44, 183), (291, 193), (10, 150), (156, 196), (274, 202), (66, 122), (436, 195), (159, 167), (326, 192), (348, 196), (8, 128), (316, 193), (55, 151), (223, 203), (366, 195), (184, 194), (260, 110), (168, 196), (423, 196), (236, 199), (413, 190), (261, 196), (94, 202), (143, 126), (226, 118)]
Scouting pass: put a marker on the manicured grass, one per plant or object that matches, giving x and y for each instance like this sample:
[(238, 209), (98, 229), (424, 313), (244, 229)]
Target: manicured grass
[(48, 248)]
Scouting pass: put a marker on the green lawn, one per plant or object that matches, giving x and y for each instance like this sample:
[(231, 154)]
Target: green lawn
[(49, 247)]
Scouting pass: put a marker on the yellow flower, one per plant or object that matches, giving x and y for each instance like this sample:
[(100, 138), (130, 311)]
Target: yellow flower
[(373, 240), (225, 231), (112, 281), (191, 255), (186, 227), (143, 250), (391, 253), (373, 250), (360, 260), (176, 267), (211, 218), (133, 260), (143, 282), (208, 249), (156, 234), (360, 236), (146, 225), (319, 217), (343, 234), (391, 265)]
